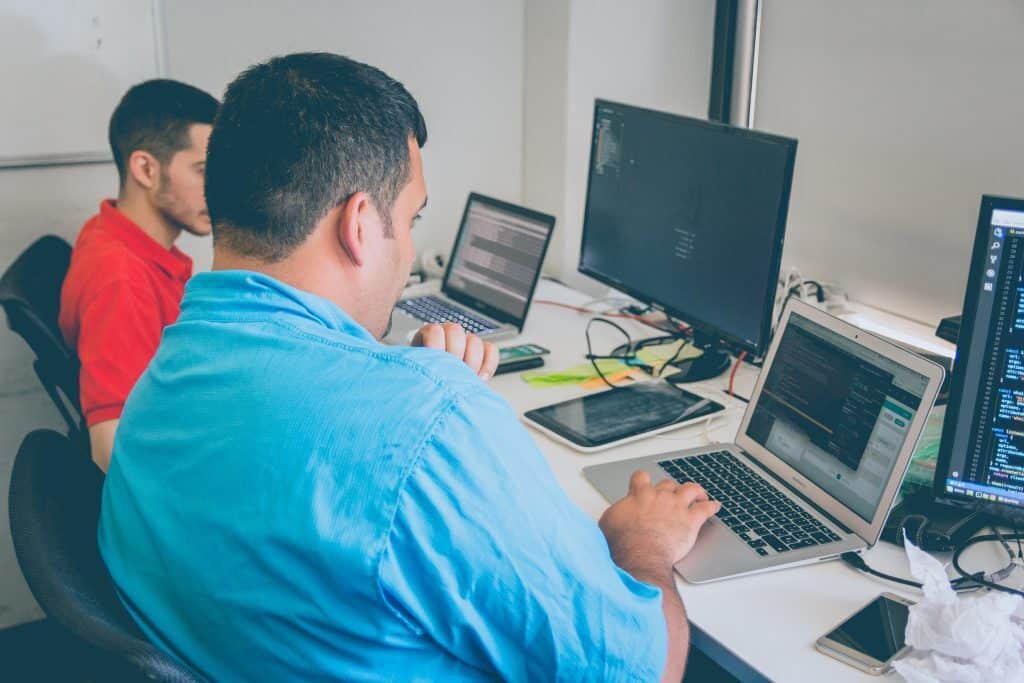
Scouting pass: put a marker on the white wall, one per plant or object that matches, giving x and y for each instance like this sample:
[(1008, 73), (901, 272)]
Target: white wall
[(906, 113), (462, 60), (545, 118), (650, 53)]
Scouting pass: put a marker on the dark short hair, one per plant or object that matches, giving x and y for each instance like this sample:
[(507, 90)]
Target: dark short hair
[(295, 137), (155, 116)]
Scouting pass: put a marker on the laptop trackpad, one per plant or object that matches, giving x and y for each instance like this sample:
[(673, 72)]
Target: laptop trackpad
[(718, 552)]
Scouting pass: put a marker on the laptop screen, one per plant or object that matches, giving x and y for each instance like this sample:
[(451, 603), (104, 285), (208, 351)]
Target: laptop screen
[(836, 412), (498, 255)]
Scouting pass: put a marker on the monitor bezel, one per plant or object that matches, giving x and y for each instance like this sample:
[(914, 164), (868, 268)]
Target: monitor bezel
[(467, 299), (1003, 511), (768, 307)]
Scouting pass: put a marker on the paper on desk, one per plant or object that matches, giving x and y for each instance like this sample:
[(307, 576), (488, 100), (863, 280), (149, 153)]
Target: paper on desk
[(585, 375), (964, 638), (577, 374)]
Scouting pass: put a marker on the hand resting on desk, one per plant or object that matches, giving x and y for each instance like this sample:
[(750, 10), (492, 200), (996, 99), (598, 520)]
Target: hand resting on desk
[(480, 356)]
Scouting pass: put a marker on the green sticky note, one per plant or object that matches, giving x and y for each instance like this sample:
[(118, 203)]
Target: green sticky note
[(573, 375)]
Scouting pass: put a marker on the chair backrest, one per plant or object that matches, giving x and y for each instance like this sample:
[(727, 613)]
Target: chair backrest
[(30, 295), (54, 511)]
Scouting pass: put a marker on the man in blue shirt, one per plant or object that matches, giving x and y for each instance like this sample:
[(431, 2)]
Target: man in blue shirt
[(292, 500)]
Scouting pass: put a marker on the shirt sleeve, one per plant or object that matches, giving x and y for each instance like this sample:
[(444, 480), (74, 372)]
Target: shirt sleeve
[(120, 332), (488, 558)]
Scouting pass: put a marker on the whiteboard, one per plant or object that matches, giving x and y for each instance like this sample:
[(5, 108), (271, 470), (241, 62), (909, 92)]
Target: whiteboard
[(65, 66)]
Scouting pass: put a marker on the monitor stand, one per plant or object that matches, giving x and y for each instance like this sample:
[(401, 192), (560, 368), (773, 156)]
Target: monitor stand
[(712, 363)]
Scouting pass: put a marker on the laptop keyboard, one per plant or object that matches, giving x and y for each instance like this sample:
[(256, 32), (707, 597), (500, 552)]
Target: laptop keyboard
[(765, 519), (434, 310)]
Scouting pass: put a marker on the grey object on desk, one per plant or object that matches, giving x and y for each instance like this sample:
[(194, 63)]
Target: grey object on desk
[(595, 422), (786, 499), (949, 329), (433, 263), (490, 278), (519, 365)]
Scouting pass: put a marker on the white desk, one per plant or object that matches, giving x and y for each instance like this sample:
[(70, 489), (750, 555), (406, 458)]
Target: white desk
[(769, 620)]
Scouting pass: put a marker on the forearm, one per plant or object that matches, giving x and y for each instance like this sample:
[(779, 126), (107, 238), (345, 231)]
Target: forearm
[(648, 531), (675, 620), (101, 442)]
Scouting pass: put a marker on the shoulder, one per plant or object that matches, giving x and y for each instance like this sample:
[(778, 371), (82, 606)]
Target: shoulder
[(99, 261), (460, 400), (438, 368), (471, 426), (430, 373), (350, 382)]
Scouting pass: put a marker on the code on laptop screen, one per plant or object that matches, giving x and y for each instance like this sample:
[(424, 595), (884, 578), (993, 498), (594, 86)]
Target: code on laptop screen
[(498, 256), (837, 412)]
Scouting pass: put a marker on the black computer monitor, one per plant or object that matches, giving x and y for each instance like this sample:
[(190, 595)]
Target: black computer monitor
[(981, 456), (689, 216)]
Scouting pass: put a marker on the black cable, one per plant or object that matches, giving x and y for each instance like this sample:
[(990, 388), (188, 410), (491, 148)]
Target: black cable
[(782, 310), (1003, 541), (917, 537), (790, 293), (649, 341), (636, 309), (628, 352), (980, 580), (819, 291), (629, 358), (857, 562), (590, 351), (966, 581), (682, 345), (918, 533)]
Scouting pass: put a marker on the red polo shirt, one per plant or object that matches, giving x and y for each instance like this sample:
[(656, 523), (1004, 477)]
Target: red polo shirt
[(122, 289)]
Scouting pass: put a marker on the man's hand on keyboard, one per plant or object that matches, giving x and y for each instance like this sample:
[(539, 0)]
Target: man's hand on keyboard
[(655, 525), (480, 356)]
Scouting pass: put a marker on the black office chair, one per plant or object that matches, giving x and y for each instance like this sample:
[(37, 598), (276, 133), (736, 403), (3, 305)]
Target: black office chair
[(54, 512), (30, 294)]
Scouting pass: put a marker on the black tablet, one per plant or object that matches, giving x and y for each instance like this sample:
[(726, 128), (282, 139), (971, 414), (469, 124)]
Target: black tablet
[(598, 421)]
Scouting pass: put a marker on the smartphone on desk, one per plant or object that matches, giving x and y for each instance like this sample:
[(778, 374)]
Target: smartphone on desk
[(510, 354), (871, 639), (519, 358)]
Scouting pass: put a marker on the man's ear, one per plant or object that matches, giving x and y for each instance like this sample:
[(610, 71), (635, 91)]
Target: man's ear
[(351, 228), (144, 168)]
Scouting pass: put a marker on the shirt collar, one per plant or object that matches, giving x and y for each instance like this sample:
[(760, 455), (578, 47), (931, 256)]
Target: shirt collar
[(248, 295), (172, 261)]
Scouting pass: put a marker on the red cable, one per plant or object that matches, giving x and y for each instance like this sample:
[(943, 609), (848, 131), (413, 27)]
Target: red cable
[(735, 367)]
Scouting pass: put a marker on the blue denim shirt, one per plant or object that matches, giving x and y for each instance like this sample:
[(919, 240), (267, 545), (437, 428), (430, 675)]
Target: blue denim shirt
[(289, 499)]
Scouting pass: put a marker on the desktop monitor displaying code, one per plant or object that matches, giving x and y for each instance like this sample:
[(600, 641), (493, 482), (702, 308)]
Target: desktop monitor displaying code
[(984, 438), (689, 215)]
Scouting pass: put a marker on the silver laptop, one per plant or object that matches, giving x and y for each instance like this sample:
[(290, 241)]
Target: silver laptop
[(491, 275), (823, 446)]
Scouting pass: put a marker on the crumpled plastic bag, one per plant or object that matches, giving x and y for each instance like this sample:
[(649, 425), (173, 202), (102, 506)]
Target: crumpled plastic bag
[(972, 638)]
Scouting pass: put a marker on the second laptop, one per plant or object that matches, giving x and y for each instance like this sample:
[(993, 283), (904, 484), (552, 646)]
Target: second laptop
[(491, 275)]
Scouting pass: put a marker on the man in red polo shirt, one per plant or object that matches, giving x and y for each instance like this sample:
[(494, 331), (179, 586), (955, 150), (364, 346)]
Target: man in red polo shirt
[(127, 278)]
